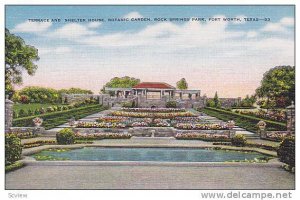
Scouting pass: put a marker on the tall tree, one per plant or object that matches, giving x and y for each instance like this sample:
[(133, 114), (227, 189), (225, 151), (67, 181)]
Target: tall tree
[(19, 57), (278, 85), (217, 100), (182, 84), (121, 82)]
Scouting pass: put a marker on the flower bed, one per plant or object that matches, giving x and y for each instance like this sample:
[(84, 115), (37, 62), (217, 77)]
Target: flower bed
[(24, 135), (276, 115), (154, 110), (38, 143), (112, 119), (276, 136), (99, 136), (190, 126), (160, 123), (206, 137), (187, 119), (152, 115), (140, 124), (100, 125)]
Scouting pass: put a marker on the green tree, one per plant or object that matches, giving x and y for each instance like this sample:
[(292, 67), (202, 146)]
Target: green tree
[(182, 84), (121, 82), (217, 100), (18, 57), (248, 101), (75, 91), (210, 103), (278, 85)]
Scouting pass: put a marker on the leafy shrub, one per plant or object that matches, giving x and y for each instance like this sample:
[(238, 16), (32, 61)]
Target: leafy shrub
[(14, 166), (13, 149), (49, 109), (127, 105), (171, 104), (41, 94), (286, 151), (15, 114), (55, 108), (65, 136), (22, 113), (37, 112), (37, 143), (238, 140), (24, 99), (42, 110), (29, 112)]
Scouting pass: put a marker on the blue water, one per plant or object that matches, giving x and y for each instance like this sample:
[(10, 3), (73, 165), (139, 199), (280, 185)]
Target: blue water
[(151, 154)]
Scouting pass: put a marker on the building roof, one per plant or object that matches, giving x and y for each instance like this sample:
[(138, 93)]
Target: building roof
[(153, 85)]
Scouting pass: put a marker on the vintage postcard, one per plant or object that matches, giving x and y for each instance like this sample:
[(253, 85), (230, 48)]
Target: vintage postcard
[(150, 97)]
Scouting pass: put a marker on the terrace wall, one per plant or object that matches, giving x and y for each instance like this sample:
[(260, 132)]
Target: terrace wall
[(161, 103), (34, 130), (228, 102), (148, 131), (72, 98)]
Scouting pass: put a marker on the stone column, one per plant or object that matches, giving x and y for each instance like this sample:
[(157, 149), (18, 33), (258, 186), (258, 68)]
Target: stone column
[(290, 116), (8, 114)]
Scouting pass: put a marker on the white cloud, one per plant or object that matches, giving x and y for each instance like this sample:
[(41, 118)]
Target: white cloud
[(274, 27), (133, 15), (280, 26), (287, 21), (54, 50), (168, 35), (252, 34), (94, 24), (72, 31), (32, 27)]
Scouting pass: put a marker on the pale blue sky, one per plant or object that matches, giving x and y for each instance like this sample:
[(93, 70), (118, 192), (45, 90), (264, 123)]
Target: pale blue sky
[(222, 56)]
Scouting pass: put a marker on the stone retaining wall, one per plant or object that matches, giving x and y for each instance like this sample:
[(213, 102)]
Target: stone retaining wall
[(151, 131), (34, 130)]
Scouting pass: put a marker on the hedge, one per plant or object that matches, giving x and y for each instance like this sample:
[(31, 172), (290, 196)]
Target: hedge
[(286, 151), (52, 120), (13, 149), (14, 166), (245, 121)]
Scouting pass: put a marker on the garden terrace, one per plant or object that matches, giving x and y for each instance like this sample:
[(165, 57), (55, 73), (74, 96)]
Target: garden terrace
[(156, 110), (51, 120), (245, 121), (204, 137), (189, 126), (170, 115), (100, 136), (274, 115)]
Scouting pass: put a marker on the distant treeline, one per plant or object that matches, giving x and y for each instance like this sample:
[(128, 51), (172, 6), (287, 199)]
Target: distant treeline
[(35, 94)]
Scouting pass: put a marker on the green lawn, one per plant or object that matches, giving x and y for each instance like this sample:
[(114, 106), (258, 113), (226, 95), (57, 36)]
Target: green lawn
[(32, 106), (54, 119)]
